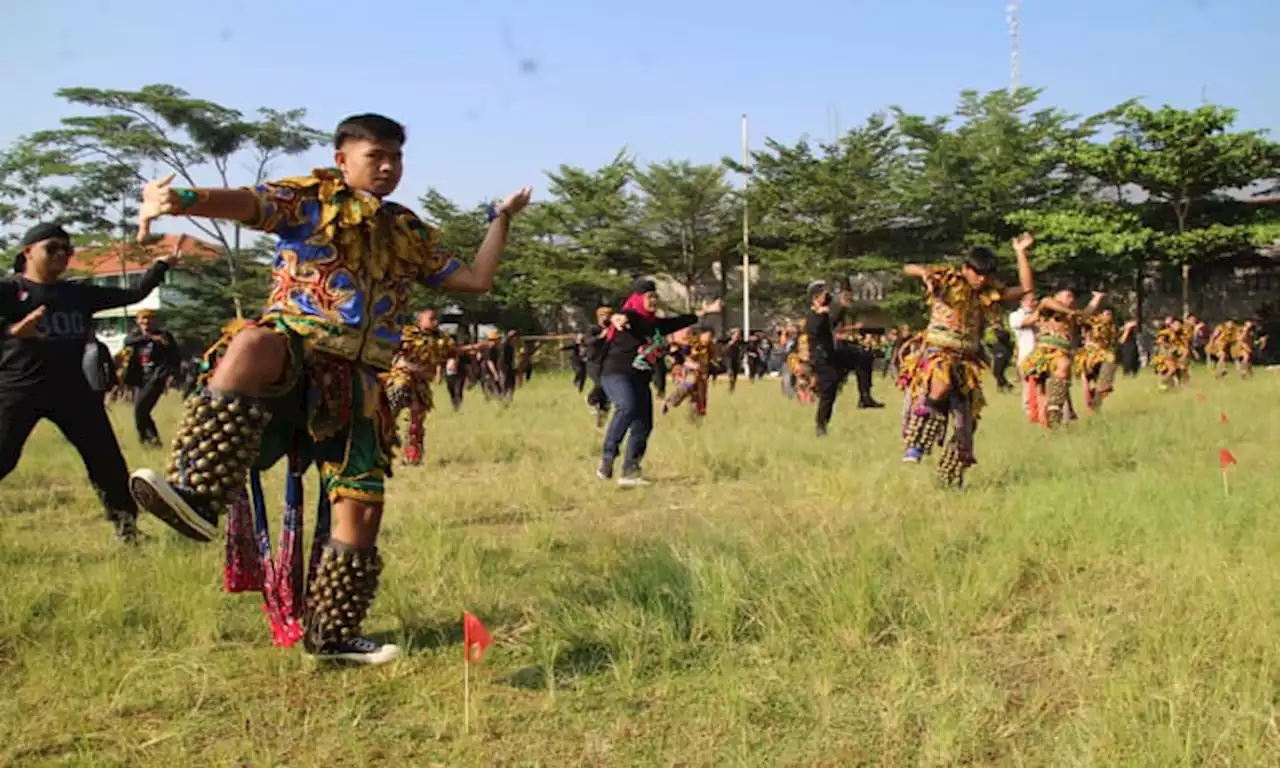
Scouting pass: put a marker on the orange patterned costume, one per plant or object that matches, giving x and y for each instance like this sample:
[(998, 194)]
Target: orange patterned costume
[(422, 354), (951, 361)]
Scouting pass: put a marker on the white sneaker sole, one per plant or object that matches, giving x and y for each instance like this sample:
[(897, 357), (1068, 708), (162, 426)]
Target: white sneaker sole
[(633, 482), (154, 494), (383, 655)]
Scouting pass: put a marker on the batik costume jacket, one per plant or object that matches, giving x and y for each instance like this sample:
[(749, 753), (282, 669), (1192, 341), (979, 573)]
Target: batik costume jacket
[(1222, 341), (420, 356), (1173, 351), (952, 349), (343, 267), (1099, 348)]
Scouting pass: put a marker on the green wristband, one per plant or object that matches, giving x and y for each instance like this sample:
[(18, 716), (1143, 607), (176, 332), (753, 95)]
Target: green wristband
[(186, 198)]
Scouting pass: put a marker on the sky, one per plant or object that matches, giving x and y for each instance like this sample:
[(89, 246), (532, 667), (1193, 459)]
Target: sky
[(495, 93)]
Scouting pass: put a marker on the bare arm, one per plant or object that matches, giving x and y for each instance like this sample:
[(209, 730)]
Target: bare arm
[(478, 277), (915, 270), (1051, 304), (1026, 278), (1094, 303)]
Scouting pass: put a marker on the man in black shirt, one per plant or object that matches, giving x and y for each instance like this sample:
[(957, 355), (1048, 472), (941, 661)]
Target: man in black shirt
[(156, 354), (822, 352), (44, 323)]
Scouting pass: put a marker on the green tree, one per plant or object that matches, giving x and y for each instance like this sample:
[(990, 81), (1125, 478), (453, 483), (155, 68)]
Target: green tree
[(969, 171), (825, 210), (688, 219), (161, 129), (1184, 161)]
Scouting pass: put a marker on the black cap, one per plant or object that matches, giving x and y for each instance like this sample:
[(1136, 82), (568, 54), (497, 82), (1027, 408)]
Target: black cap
[(643, 285), (44, 231), (981, 260)]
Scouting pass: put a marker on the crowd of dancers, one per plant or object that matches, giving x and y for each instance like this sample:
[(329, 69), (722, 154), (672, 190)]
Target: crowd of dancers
[(325, 374)]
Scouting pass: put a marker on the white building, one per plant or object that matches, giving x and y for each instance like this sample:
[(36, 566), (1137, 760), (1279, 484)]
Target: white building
[(121, 265)]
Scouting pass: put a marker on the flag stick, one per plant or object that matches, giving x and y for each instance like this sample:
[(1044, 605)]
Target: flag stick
[(466, 693), (1226, 488)]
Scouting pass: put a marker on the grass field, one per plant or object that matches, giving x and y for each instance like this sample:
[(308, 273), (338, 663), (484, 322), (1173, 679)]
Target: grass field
[(1092, 598)]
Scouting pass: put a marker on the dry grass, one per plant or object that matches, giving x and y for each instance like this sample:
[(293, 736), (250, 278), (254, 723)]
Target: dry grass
[(774, 600)]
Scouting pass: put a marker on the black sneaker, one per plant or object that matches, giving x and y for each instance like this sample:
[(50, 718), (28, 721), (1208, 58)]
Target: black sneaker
[(175, 507), (605, 470), (360, 650), (869, 403), (126, 529)]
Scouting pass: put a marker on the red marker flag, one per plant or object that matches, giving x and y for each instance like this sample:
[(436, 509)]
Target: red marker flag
[(1225, 459), (1199, 397), (1222, 418), (475, 638)]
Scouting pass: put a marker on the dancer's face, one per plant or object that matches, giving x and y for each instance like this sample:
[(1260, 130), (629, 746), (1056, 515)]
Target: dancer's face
[(1108, 315), (972, 276), (371, 166), (1028, 301), (650, 301), (48, 258), (145, 323), (428, 320), (1066, 298)]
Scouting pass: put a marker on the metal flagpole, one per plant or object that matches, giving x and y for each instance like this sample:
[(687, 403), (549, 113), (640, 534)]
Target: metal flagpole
[(746, 236)]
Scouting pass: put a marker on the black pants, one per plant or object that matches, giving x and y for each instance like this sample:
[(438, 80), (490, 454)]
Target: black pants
[(861, 363), (579, 377), (148, 396), (82, 418), (829, 379), (999, 365), (456, 384)]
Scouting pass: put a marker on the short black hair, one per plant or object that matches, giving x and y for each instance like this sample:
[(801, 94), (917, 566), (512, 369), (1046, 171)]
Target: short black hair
[(980, 260), (1064, 285), (369, 127)]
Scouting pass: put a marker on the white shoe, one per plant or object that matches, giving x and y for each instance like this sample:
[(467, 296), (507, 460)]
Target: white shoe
[(632, 481), (361, 650)]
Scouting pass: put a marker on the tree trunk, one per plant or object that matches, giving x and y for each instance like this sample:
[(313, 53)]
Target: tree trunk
[(1186, 290), (1138, 285)]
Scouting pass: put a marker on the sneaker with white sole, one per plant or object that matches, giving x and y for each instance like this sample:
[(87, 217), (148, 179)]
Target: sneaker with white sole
[(630, 478), (360, 650), (912, 456), (175, 508)]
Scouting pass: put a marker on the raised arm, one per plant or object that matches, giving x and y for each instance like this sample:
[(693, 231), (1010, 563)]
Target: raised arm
[(915, 270), (1026, 278), (478, 276), (99, 297), (1095, 302), (1051, 304), (159, 198)]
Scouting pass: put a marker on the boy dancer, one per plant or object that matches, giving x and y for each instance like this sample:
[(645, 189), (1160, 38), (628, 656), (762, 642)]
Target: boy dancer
[(305, 375), (945, 380)]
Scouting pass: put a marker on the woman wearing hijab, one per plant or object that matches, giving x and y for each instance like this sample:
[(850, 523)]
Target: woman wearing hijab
[(633, 343)]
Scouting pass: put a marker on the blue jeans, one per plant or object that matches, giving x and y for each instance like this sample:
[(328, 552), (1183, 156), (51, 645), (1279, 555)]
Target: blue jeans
[(632, 412)]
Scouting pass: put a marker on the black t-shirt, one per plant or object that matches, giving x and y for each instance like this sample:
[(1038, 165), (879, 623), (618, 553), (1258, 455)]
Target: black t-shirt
[(637, 348), (822, 344), (153, 358), (53, 363)]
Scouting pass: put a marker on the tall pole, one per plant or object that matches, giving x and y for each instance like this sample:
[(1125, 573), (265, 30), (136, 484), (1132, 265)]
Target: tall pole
[(746, 237), (1015, 53)]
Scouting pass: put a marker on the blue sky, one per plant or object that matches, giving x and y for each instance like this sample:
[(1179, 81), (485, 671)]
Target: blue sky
[(666, 79)]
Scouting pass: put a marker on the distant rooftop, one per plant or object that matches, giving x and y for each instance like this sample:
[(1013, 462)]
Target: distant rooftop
[(95, 261)]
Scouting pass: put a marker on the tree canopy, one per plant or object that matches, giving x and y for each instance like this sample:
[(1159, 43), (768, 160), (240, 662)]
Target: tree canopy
[(1111, 196)]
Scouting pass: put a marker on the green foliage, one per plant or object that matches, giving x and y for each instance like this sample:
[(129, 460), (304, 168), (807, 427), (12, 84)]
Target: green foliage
[(1111, 196)]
